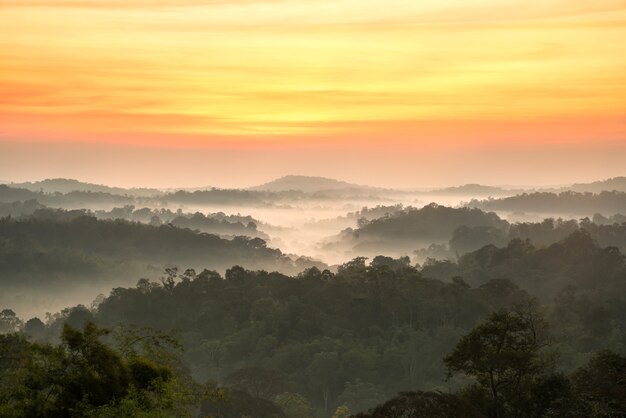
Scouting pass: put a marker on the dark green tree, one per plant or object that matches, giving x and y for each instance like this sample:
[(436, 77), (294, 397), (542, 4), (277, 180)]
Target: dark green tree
[(84, 376), (503, 356), (423, 405), (602, 385)]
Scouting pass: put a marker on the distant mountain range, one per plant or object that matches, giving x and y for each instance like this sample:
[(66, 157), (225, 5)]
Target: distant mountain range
[(615, 183), (476, 190), (612, 184), (308, 184), (311, 184), (60, 185)]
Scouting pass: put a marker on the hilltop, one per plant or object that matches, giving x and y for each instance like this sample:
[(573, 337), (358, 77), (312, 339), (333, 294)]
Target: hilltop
[(615, 183), (308, 184), (475, 189), (61, 185)]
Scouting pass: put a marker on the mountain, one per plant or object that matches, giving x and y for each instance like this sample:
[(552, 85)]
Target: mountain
[(14, 194), (566, 203), (308, 184), (612, 184), (402, 232), (615, 183), (474, 190), (60, 185), (56, 244)]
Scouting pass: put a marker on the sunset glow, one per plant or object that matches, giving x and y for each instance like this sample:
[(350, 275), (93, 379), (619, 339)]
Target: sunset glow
[(235, 73)]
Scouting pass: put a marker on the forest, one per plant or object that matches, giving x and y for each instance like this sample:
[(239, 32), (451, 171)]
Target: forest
[(312, 209), (58, 242), (567, 202), (440, 310)]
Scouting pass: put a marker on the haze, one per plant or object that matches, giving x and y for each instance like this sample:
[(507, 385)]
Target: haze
[(422, 94), (313, 208)]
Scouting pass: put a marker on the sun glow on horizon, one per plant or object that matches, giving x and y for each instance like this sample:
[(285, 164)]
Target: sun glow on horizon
[(259, 70), (395, 93)]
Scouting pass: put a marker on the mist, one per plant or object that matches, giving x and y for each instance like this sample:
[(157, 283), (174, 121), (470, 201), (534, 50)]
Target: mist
[(312, 209), (306, 221)]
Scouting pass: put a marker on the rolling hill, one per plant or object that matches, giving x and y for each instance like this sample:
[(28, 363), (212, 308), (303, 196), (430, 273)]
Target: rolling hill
[(308, 184)]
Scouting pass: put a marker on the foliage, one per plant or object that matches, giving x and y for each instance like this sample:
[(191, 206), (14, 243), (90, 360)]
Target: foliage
[(403, 230), (377, 328), (422, 405), (237, 404), (586, 203), (9, 322), (359, 396), (84, 376), (602, 384), (358, 336), (342, 411), (258, 382), (57, 244), (294, 405), (503, 355)]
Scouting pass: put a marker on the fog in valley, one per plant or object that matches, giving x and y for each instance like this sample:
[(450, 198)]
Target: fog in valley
[(311, 297), (288, 225), (312, 209)]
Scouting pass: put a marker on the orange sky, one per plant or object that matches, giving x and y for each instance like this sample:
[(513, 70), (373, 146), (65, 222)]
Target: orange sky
[(266, 85)]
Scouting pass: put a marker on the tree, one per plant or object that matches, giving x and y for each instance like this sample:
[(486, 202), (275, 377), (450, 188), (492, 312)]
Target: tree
[(359, 396), (78, 316), (354, 266), (9, 322), (257, 381), (238, 404), (35, 328), (294, 405), (394, 264), (602, 384), (83, 376), (342, 411), (502, 355), (423, 405), (324, 375)]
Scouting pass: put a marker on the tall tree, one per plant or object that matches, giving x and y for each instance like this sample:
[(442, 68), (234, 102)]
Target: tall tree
[(503, 356)]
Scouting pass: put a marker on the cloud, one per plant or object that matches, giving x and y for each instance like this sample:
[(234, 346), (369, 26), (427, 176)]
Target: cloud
[(388, 11), (122, 4)]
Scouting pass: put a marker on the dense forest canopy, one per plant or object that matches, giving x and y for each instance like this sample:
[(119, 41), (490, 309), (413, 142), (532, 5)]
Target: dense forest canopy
[(309, 184), (312, 209), (60, 185), (106, 198), (57, 243), (377, 328), (74, 199), (568, 202), (223, 322), (565, 203), (615, 183), (408, 229), (451, 232)]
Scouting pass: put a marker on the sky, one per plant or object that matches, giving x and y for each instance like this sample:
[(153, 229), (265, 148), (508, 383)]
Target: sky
[(231, 93)]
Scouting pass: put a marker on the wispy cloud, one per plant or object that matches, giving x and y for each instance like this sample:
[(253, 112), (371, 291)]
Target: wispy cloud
[(306, 67), (122, 4)]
